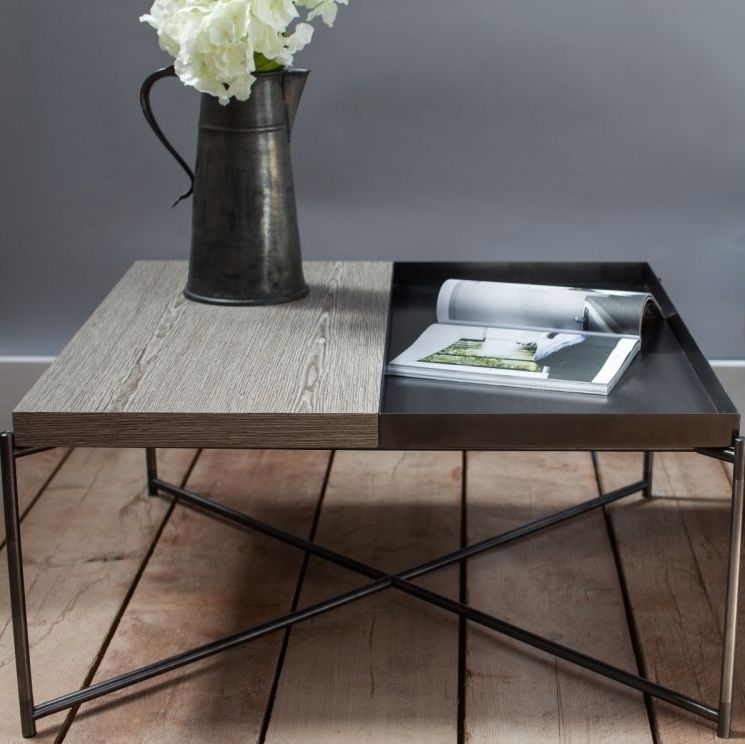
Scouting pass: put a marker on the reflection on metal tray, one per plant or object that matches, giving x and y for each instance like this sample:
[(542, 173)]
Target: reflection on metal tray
[(669, 398)]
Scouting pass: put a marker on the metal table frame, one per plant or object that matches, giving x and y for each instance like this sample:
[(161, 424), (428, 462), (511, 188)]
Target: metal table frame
[(380, 580)]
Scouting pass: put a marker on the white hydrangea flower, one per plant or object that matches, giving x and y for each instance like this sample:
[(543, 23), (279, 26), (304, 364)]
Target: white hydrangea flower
[(277, 14), (324, 8), (213, 42)]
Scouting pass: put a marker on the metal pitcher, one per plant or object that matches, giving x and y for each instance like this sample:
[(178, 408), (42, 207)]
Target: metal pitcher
[(245, 247)]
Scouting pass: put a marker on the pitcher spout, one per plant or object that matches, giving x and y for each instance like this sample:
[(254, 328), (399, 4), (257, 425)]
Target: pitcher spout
[(293, 83)]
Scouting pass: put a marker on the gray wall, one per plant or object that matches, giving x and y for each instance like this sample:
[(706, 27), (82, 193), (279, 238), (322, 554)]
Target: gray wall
[(519, 129)]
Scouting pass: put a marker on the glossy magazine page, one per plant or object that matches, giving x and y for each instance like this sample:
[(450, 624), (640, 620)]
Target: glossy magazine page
[(534, 358)]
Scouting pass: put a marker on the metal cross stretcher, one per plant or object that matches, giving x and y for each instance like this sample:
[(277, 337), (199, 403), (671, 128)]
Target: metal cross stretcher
[(379, 580)]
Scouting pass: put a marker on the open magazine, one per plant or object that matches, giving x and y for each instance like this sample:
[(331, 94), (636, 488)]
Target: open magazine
[(527, 335)]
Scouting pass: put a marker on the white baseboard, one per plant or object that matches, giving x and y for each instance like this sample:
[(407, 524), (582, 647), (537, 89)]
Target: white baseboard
[(18, 374)]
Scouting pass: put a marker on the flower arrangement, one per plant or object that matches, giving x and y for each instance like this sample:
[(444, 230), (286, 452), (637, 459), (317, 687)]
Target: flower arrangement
[(219, 45)]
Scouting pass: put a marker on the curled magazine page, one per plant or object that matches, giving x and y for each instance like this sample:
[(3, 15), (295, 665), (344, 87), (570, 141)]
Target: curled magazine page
[(544, 306), (618, 312), (510, 305)]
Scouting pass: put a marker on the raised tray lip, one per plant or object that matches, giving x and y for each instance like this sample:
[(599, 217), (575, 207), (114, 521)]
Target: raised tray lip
[(716, 427)]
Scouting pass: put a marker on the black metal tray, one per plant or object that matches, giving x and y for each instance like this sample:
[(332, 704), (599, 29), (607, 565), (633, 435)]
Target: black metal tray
[(669, 398)]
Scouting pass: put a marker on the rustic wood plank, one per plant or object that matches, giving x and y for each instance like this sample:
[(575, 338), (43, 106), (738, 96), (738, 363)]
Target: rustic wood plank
[(84, 543), (148, 351), (674, 552), (562, 584), (33, 472), (383, 669), (206, 580)]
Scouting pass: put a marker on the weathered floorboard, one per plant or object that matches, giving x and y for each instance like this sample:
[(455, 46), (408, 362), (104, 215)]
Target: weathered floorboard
[(84, 543), (205, 580), (561, 584), (674, 552), (383, 669), (87, 535)]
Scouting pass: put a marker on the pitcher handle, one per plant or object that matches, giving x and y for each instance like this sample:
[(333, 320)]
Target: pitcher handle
[(150, 118)]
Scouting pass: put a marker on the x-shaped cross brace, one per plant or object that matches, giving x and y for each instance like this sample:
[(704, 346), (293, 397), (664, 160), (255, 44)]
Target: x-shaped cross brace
[(402, 581)]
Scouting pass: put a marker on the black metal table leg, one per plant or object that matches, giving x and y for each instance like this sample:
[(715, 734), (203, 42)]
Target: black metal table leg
[(648, 470), (151, 460), (15, 579), (726, 688), (381, 580)]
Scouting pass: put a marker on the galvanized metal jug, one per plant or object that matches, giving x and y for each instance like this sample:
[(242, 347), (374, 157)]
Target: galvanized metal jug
[(245, 247)]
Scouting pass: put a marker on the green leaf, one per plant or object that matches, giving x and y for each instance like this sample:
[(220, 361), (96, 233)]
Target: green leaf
[(266, 65)]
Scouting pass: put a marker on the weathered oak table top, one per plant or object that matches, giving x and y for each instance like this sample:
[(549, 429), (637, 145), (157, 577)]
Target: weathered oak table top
[(151, 368)]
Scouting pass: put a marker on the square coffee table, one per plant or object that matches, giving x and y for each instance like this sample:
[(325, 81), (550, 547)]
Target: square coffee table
[(151, 369)]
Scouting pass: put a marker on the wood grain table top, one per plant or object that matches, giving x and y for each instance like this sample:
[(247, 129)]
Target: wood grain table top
[(151, 368)]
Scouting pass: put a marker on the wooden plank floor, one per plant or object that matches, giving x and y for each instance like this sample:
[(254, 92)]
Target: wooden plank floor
[(116, 579)]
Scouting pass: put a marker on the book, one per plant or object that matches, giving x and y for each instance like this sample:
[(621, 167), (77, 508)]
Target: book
[(563, 339)]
